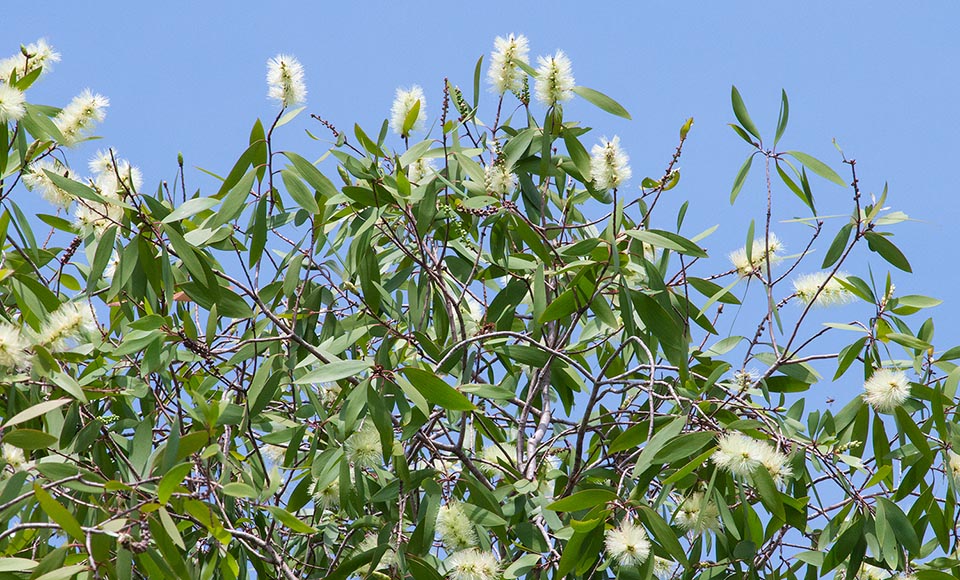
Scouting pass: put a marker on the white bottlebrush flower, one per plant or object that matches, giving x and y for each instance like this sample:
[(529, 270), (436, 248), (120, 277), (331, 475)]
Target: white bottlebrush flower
[(498, 180), (328, 496), (12, 347), (473, 564), (627, 544), (72, 321), (833, 292), (504, 75), (775, 463), (285, 80), (421, 169), (77, 118), (608, 164), (953, 462), (41, 56), (886, 389), (11, 104), (454, 527), (555, 81), (492, 457), (662, 567), (698, 514), (403, 103), (15, 458), (363, 448), (738, 454), (371, 541), (37, 180), (107, 167), (747, 267)]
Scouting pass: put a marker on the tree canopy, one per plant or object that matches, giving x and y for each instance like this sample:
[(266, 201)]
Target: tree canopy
[(468, 343)]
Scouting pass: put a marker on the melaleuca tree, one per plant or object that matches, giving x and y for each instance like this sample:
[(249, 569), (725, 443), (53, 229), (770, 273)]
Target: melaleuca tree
[(467, 345)]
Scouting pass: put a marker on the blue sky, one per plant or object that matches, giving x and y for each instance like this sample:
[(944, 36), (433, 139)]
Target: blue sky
[(880, 77)]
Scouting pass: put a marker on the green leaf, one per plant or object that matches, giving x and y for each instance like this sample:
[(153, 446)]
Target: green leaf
[(564, 305), (887, 251), (234, 201), (171, 480), (334, 371), (663, 534), (239, 489), (740, 179), (784, 117), (603, 101), (769, 494), (669, 240), (582, 500), (190, 208), (312, 175), (905, 534), (299, 192), (35, 411), (291, 521), (56, 512), (740, 110), (818, 167), (17, 564), (837, 247), (29, 439), (436, 391)]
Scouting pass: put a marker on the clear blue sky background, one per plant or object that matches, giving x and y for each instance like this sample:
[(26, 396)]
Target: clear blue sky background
[(880, 77)]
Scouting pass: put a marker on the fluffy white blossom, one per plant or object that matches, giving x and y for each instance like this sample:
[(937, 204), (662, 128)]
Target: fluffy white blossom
[(11, 104), (403, 103), (15, 458), (775, 463), (504, 75), (555, 81), (41, 56), (953, 462), (114, 176), (371, 541), (274, 453), (71, 321), (738, 454), (492, 456), (698, 514), (473, 565), (747, 267), (455, 528), (833, 292), (285, 80), (328, 495), (609, 164), (94, 218), (363, 448), (37, 180), (420, 169), (627, 544), (77, 118), (498, 180), (662, 567), (886, 389), (12, 347)]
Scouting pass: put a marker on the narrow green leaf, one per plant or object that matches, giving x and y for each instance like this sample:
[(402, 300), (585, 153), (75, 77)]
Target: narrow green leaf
[(888, 251), (190, 208), (35, 411), (56, 512), (818, 167), (740, 110), (299, 191), (784, 117), (436, 391), (603, 101), (837, 247), (740, 179), (291, 521), (334, 371), (171, 480), (582, 500)]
